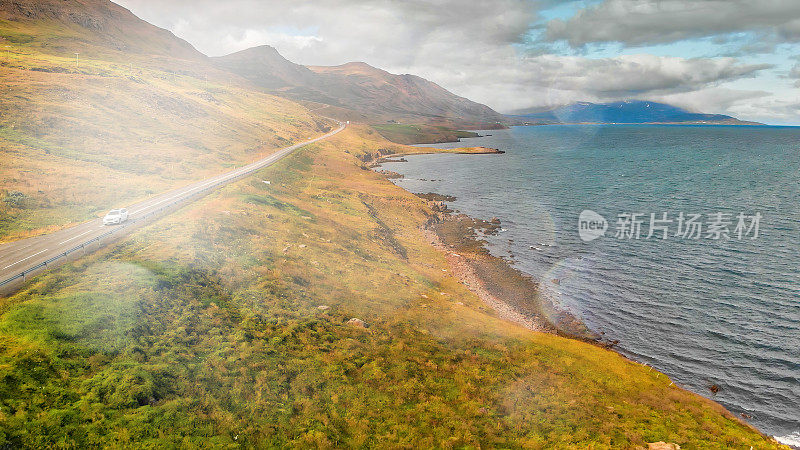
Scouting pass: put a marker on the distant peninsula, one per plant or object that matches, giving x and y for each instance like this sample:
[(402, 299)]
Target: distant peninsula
[(623, 112)]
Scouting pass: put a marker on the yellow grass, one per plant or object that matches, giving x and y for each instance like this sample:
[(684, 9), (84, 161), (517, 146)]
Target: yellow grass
[(212, 316)]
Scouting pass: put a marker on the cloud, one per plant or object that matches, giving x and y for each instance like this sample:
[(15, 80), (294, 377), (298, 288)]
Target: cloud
[(717, 99), (479, 50), (770, 110), (645, 22), (350, 28), (642, 74), (552, 79), (795, 73)]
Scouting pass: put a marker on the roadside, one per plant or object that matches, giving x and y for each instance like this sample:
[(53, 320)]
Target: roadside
[(25, 257)]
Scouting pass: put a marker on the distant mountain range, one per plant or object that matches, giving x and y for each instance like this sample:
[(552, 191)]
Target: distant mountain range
[(628, 112), (358, 90)]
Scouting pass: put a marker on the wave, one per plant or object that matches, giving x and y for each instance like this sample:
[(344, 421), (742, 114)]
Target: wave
[(790, 439)]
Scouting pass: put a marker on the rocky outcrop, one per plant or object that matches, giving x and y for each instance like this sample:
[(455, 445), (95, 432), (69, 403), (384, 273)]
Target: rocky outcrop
[(660, 446), (356, 322)]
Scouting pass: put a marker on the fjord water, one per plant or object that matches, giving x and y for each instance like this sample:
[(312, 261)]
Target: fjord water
[(706, 312)]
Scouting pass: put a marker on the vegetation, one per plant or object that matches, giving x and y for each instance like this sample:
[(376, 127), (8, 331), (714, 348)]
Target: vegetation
[(421, 134), (227, 325), (81, 137)]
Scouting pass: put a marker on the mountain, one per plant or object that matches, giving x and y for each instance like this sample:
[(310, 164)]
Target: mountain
[(266, 68), (629, 111), (358, 89), (91, 27), (100, 29)]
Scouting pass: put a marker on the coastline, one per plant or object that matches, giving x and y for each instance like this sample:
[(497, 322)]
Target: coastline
[(333, 308), (512, 294)]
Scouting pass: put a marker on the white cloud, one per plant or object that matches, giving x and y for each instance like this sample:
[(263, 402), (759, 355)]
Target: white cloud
[(795, 73), (475, 49), (551, 80), (642, 22)]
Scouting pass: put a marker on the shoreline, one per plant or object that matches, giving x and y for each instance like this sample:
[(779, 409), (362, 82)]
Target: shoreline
[(512, 294)]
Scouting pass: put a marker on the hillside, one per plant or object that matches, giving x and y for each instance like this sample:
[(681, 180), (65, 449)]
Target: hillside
[(312, 311), (231, 324), (630, 111), (91, 27), (81, 137), (358, 90)]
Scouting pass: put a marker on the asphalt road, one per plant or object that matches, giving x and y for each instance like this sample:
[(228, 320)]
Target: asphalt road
[(20, 256)]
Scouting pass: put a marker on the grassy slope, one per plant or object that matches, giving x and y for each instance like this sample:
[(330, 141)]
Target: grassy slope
[(204, 330), (77, 140), (420, 134)]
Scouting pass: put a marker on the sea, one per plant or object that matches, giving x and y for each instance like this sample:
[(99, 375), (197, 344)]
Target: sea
[(687, 253)]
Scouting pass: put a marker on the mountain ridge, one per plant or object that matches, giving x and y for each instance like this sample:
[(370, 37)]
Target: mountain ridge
[(623, 112), (108, 25), (359, 89)]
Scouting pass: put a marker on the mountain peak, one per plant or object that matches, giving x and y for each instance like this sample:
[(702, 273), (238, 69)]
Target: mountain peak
[(359, 90), (106, 24), (264, 66), (352, 68), (260, 50)]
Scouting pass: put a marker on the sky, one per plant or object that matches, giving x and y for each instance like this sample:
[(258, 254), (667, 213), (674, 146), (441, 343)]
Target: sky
[(734, 57)]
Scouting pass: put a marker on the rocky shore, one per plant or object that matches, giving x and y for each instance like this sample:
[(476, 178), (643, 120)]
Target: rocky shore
[(512, 294)]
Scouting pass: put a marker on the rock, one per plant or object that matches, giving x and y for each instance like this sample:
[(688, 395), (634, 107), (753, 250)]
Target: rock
[(495, 221), (356, 322), (714, 388), (662, 446), (323, 307)]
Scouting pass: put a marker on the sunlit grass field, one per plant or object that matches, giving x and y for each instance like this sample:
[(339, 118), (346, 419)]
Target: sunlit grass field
[(226, 325), (411, 134)]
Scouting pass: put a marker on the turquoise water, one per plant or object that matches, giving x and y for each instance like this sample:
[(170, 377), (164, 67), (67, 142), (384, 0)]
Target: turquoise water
[(706, 312)]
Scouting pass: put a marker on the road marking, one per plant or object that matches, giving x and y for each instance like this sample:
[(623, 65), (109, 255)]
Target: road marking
[(21, 260), (76, 237)]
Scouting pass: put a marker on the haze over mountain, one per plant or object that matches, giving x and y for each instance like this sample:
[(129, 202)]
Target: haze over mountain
[(630, 111), (358, 89)]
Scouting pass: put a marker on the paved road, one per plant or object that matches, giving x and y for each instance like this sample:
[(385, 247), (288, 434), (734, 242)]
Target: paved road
[(19, 256)]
